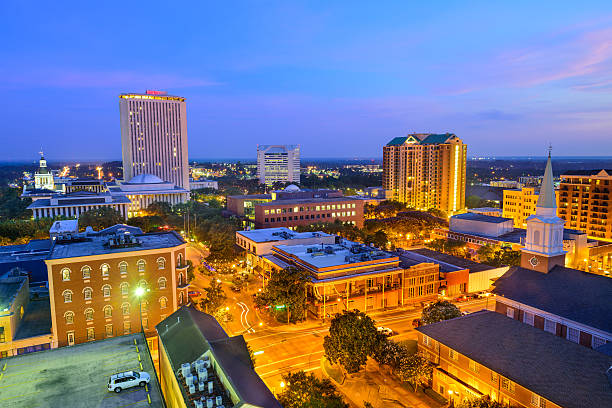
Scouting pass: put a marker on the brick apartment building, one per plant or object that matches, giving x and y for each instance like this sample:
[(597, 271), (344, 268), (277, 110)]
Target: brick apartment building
[(93, 277)]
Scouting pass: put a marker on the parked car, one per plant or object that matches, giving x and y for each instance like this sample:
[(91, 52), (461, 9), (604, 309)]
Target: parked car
[(417, 323), (385, 330), (463, 313), (194, 293), (235, 288), (128, 379), (462, 298)]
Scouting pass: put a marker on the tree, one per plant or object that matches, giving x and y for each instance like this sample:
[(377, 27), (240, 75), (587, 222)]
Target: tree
[(482, 402), (438, 311), (307, 391), (214, 297), (379, 239), (414, 369), (352, 338), (498, 257), (100, 218), (285, 293), (159, 208)]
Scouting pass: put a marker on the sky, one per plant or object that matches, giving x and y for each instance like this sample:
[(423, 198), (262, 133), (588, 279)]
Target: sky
[(339, 78)]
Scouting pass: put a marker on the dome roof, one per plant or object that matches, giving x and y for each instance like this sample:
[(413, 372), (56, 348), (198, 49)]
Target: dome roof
[(291, 188), (145, 178)]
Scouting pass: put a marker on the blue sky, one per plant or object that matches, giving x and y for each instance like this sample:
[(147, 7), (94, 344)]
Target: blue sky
[(340, 78)]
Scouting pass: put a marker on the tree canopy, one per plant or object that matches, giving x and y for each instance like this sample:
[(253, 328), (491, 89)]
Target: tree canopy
[(100, 218), (438, 311), (285, 293), (352, 338), (307, 391), (498, 256), (214, 297), (483, 402)]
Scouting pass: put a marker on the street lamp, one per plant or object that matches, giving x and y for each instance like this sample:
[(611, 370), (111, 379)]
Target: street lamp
[(487, 304), (140, 292)]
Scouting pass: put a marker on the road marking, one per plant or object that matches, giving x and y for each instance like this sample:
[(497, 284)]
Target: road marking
[(290, 369), (20, 395), (243, 317), (291, 358)]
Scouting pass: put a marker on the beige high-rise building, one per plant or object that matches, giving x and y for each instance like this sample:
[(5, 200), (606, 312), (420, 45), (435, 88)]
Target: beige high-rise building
[(426, 171), (520, 204), (154, 136)]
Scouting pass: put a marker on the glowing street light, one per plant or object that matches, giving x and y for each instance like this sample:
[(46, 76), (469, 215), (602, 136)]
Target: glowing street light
[(140, 292)]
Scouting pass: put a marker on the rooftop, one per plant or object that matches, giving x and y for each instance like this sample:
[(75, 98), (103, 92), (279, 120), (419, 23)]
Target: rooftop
[(485, 209), (563, 372), (279, 234), (36, 320), (188, 334), (97, 243), (309, 200), (323, 256), (422, 138), (448, 263), (77, 376), (582, 297), (9, 288), (481, 217), (160, 97), (79, 198), (586, 172)]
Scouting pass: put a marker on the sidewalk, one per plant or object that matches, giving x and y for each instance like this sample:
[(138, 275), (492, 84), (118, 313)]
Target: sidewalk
[(381, 390)]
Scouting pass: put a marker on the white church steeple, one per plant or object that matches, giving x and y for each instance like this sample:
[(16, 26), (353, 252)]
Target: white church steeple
[(544, 241)]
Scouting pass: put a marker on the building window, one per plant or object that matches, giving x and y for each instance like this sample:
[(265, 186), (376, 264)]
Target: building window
[(510, 312), (89, 314), (538, 401), (161, 263), (161, 283), (87, 293), (125, 288), (474, 366), (597, 342), (452, 354), (105, 269), (69, 316), (90, 333), (106, 290), (181, 298), (67, 294), (86, 270), (145, 306), (163, 302), (145, 323), (573, 334), (493, 377), (550, 326), (123, 267), (141, 265), (109, 330), (125, 309), (65, 274), (507, 385), (108, 311), (427, 341), (528, 318), (179, 260), (180, 279), (127, 328)]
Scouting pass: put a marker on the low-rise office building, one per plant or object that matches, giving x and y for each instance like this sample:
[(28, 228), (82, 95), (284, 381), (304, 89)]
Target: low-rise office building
[(486, 353), (201, 366), (348, 275), (203, 183), (76, 203), (93, 277), (519, 204)]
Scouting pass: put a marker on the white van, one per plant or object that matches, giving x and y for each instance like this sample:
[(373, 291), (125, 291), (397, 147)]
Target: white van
[(128, 379)]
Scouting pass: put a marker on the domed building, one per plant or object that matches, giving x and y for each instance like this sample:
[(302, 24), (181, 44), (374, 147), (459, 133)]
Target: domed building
[(145, 189)]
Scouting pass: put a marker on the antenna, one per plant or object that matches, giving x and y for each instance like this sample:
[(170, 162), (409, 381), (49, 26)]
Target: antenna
[(549, 149)]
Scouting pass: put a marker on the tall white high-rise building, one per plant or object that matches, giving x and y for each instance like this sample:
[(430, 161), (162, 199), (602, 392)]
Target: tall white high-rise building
[(278, 163), (154, 136)]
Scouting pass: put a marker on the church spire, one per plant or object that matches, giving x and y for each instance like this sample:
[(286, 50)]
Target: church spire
[(547, 198)]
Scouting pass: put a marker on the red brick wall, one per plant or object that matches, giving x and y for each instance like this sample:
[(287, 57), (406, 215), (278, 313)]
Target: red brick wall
[(307, 213)]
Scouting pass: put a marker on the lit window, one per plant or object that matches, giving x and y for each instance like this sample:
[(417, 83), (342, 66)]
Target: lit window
[(163, 303), (69, 316), (123, 267), (538, 401), (109, 330), (141, 265), (125, 309), (550, 326), (125, 288), (452, 354), (161, 263), (106, 290), (161, 283), (86, 270), (474, 366), (105, 269), (65, 274), (67, 294), (126, 328), (89, 314), (90, 334), (108, 311), (528, 318), (87, 292)]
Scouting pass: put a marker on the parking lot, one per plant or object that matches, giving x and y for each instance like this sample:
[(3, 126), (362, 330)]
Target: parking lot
[(77, 376)]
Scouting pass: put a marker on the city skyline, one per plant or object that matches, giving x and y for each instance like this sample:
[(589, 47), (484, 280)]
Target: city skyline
[(340, 81)]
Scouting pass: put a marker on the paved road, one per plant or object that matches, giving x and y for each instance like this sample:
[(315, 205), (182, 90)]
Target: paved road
[(280, 351)]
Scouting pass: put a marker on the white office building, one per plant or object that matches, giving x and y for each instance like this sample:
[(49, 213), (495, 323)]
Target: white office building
[(154, 136), (278, 163)]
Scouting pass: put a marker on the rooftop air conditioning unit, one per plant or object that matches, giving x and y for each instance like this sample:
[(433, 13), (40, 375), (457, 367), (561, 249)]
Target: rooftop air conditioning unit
[(219, 400), (185, 369), (192, 389), (209, 403), (198, 404), (210, 387)]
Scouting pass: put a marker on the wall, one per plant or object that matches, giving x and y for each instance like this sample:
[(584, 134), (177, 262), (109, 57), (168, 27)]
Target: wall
[(479, 281)]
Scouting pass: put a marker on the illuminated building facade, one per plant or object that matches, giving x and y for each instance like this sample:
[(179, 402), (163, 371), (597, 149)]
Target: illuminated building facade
[(426, 171), (520, 204), (278, 163), (154, 136)]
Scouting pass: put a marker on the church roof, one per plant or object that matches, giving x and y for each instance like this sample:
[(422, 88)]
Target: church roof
[(546, 199)]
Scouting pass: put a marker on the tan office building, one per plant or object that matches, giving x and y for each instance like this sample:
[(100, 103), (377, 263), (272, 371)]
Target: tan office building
[(426, 171), (584, 202), (519, 204), (154, 136)]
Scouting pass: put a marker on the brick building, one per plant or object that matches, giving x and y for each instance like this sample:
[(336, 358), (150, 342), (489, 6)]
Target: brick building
[(486, 353), (93, 277), (291, 213)]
